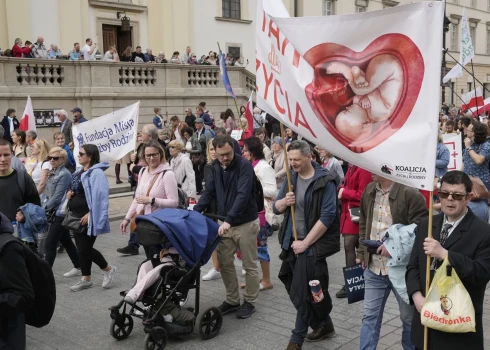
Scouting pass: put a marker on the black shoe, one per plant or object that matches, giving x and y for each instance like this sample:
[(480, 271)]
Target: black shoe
[(226, 308), (341, 294), (325, 331), (246, 310), (129, 250)]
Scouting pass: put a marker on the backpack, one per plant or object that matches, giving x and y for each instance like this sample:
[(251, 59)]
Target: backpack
[(21, 181), (258, 193), (43, 285)]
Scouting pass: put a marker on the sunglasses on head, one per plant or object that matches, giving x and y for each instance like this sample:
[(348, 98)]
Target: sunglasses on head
[(456, 196), (53, 158)]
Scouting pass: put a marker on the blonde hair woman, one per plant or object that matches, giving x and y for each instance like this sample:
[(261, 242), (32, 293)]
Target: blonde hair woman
[(183, 169), (111, 55), (38, 166)]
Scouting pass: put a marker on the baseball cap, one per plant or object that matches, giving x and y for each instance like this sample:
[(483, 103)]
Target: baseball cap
[(76, 109), (199, 120)]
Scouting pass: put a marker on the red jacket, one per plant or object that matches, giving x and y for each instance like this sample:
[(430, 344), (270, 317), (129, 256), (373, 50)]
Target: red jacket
[(17, 51), (355, 181)]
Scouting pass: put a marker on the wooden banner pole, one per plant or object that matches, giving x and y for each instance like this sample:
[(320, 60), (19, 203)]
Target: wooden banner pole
[(288, 173), (427, 268)]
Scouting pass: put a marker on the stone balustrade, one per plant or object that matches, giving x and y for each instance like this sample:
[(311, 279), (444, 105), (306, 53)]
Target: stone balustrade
[(99, 87)]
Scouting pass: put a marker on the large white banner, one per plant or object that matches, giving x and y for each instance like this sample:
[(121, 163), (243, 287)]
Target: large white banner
[(455, 145), (114, 133), (363, 86)]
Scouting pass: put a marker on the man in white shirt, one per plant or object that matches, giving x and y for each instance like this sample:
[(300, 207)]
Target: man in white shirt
[(88, 50), (39, 50), (187, 55)]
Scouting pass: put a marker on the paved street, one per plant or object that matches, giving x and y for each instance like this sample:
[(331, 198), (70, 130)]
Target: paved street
[(81, 320)]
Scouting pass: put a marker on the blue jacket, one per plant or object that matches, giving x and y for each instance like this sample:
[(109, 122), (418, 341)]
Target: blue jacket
[(233, 190), (56, 187), (35, 222), (206, 119), (157, 121), (96, 189), (71, 159), (399, 244), (442, 160), (327, 212)]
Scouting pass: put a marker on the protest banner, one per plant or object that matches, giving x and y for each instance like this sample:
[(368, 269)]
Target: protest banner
[(363, 86), (454, 144), (114, 133), (354, 283)]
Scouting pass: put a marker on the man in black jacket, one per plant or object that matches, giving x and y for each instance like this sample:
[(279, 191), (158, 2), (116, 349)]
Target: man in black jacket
[(464, 240), (139, 54), (232, 185), (314, 197), (190, 118), (10, 123), (16, 292)]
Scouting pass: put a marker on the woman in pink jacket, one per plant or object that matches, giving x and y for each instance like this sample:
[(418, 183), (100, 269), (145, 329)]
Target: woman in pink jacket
[(157, 186), (350, 193)]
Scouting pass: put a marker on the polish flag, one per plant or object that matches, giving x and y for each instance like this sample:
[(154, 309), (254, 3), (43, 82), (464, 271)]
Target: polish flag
[(482, 108), (28, 122), (472, 99), (249, 115)]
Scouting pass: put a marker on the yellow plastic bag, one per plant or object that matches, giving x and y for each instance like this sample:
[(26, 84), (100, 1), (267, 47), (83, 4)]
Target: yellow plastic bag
[(448, 306)]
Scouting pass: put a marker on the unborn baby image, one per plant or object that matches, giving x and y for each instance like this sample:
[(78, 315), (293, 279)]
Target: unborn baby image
[(363, 98)]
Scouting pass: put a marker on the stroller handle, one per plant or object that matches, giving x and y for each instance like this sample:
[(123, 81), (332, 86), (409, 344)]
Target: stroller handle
[(213, 216)]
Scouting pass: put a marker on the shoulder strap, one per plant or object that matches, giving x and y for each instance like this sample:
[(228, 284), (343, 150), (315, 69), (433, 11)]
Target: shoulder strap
[(21, 181), (151, 184), (5, 239)]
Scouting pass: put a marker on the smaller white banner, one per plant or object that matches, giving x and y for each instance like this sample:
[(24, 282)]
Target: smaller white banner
[(454, 144), (237, 134), (114, 133)]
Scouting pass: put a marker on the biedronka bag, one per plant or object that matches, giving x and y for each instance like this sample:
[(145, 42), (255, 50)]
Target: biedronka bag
[(448, 307)]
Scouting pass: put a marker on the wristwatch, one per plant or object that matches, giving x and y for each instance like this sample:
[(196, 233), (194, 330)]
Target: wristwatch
[(153, 201)]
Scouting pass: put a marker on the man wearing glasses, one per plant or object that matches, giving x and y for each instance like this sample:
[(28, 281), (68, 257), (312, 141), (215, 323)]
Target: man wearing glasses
[(464, 240), (384, 203), (16, 187), (232, 184)]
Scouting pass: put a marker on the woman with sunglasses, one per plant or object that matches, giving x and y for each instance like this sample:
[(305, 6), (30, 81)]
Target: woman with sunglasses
[(59, 179), (59, 140), (157, 187), (89, 200)]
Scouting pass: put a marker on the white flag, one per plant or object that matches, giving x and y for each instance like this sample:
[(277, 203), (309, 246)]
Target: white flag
[(114, 133), (362, 86), (466, 50)]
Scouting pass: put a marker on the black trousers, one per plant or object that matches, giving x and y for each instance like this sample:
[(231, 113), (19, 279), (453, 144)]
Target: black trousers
[(199, 171), (88, 253), (59, 234), (13, 332)]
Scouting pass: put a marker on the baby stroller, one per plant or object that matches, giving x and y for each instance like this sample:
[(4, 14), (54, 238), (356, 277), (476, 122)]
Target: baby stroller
[(194, 236)]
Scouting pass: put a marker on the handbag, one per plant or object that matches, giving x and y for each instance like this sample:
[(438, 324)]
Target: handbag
[(132, 224), (71, 222), (355, 214), (197, 159), (50, 216), (64, 207)]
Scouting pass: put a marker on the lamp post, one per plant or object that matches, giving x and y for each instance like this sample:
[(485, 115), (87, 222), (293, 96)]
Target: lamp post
[(443, 65)]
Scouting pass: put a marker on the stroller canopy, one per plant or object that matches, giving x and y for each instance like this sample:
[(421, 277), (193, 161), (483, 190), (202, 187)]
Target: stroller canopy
[(188, 231)]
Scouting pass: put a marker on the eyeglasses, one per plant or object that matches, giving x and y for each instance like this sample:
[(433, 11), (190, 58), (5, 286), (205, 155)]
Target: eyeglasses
[(81, 154), (152, 155), (53, 158), (456, 196)]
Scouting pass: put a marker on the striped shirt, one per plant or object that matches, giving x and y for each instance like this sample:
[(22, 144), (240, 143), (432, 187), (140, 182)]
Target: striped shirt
[(382, 220)]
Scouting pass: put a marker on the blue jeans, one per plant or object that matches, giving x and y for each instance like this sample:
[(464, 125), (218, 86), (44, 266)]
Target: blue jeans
[(376, 291), (133, 242)]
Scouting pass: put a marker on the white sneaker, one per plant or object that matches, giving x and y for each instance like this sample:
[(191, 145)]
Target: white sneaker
[(244, 272), (109, 277), (139, 313), (82, 284), (73, 272), (211, 275)]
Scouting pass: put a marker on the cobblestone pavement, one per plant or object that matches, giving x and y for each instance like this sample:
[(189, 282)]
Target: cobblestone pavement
[(81, 320)]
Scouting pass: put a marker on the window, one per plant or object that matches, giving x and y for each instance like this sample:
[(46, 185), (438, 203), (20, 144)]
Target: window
[(473, 3), (488, 42), (469, 87), (360, 9), (472, 34), (328, 8), (454, 37), (234, 51), (231, 9)]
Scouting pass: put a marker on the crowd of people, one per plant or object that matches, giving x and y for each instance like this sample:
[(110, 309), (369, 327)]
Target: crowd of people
[(242, 180), (89, 52)]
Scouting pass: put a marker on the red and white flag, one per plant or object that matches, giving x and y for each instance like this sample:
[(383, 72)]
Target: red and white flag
[(472, 99), (482, 108), (28, 122), (249, 115)]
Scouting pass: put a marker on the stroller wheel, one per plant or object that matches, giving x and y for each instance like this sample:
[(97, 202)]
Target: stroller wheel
[(210, 323), (121, 326), (156, 339)]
